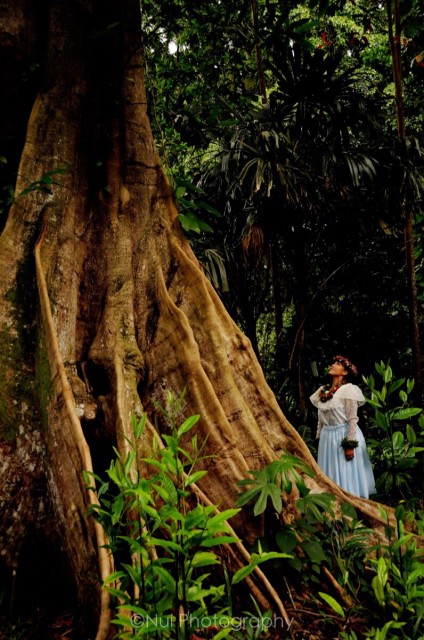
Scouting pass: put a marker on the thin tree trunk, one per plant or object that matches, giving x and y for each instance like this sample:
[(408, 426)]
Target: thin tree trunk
[(259, 62), (278, 308), (395, 33)]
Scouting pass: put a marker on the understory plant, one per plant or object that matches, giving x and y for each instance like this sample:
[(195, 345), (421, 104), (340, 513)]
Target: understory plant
[(398, 581), (170, 576), (395, 436), (367, 587)]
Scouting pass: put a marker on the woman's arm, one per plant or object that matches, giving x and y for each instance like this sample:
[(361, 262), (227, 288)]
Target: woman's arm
[(351, 407)]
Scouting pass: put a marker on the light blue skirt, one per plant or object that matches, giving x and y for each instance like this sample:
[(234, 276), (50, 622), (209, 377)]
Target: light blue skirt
[(355, 476)]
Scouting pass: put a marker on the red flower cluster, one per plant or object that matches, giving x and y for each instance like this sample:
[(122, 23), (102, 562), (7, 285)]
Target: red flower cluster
[(327, 392)]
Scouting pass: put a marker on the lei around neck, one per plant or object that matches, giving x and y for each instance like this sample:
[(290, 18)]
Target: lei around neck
[(327, 391)]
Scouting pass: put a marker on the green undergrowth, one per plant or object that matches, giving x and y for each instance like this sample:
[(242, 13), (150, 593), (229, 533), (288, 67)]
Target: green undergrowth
[(395, 437), (380, 592), (172, 578)]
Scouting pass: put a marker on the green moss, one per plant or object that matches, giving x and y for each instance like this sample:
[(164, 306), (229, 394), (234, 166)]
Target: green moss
[(15, 384), (11, 295), (17, 354)]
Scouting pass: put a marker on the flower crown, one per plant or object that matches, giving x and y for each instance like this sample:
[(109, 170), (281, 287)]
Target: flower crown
[(346, 364)]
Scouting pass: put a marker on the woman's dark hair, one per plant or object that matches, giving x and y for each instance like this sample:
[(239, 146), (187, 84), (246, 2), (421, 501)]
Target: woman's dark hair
[(352, 371)]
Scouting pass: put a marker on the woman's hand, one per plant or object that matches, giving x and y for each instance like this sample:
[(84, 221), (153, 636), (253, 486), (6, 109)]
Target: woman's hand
[(349, 454)]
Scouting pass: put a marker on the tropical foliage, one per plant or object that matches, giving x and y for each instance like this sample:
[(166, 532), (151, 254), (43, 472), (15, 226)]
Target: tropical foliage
[(285, 120)]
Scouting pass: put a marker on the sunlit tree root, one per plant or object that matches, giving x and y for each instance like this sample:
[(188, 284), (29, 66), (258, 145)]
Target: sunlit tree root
[(64, 399)]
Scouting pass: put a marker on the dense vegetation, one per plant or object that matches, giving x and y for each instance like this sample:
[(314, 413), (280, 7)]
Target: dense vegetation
[(278, 123)]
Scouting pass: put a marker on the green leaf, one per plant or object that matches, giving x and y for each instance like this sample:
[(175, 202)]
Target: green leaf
[(201, 204), (286, 540), (379, 368), (410, 384), (349, 511), (395, 385), (256, 559), (187, 425), (382, 420), (222, 517), (378, 590), (415, 574), (269, 491), (403, 396), (194, 477), (138, 426), (165, 544), (316, 504), (179, 192), (213, 542), (182, 182), (204, 559), (165, 576), (387, 374), (404, 414), (315, 551), (333, 603), (190, 222), (373, 403), (397, 439), (410, 434)]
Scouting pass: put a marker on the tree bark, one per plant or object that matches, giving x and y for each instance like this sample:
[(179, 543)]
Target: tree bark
[(395, 34), (103, 307)]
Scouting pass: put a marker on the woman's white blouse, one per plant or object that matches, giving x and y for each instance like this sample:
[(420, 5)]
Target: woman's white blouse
[(342, 408)]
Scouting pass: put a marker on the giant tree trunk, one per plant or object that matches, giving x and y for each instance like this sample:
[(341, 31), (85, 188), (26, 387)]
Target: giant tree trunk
[(103, 307)]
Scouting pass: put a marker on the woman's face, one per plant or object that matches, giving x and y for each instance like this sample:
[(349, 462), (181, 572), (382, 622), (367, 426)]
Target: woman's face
[(337, 369)]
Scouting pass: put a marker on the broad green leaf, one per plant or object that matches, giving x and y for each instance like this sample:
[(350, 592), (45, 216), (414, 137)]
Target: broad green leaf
[(403, 396), (381, 420), (179, 192), (314, 551), (332, 603), (410, 434), (397, 439), (349, 511), (190, 222), (286, 540), (404, 414)]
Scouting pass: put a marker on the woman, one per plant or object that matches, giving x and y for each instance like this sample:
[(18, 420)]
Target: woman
[(342, 452)]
